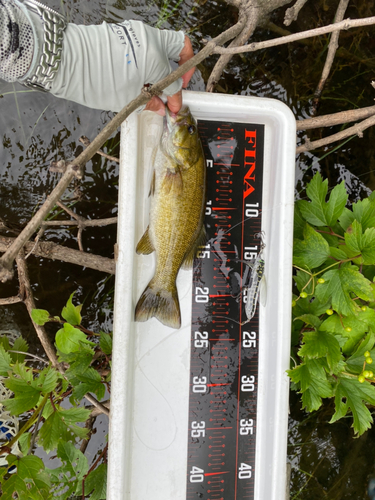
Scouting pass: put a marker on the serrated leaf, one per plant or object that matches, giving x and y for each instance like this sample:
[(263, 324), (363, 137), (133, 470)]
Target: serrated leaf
[(74, 415), (319, 212), (351, 394), (5, 362), (355, 362), (25, 395), (67, 479), (47, 380), (78, 362), (68, 339), (361, 244), (105, 343), (320, 344), (96, 483), (363, 211), (60, 425), (72, 313), (91, 381), (309, 319), (312, 379), (299, 223), (359, 324), (20, 344), (340, 284), (30, 481), (312, 251), (40, 316)]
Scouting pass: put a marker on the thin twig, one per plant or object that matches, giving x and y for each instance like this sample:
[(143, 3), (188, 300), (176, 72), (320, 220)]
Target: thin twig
[(86, 142), (31, 355), (291, 14), (50, 250), (84, 222), (80, 220), (332, 48), (253, 47), (336, 118), (26, 293), (357, 129), (10, 300)]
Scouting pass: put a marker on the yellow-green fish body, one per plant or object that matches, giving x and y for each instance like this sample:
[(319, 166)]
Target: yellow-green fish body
[(176, 215)]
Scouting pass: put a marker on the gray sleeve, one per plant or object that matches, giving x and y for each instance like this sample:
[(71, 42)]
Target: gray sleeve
[(17, 41), (106, 66)]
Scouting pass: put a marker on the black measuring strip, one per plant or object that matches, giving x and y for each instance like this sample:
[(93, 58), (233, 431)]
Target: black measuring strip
[(224, 355)]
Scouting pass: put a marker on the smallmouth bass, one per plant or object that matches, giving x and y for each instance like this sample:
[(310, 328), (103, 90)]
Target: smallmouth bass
[(176, 215)]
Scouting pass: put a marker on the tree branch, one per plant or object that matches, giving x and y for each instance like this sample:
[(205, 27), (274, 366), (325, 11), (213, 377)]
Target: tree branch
[(253, 47), (50, 250), (332, 48), (28, 299), (336, 118), (357, 129), (291, 14)]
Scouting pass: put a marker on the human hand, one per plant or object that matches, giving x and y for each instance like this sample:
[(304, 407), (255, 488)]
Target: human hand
[(175, 100)]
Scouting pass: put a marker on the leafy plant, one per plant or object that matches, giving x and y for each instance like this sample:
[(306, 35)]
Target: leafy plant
[(334, 309), (49, 402)]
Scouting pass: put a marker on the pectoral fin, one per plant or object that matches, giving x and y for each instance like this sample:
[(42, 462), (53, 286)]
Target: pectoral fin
[(145, 246), (173, 183)]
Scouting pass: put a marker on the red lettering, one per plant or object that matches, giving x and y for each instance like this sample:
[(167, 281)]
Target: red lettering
[(249, 161), (251, 137)]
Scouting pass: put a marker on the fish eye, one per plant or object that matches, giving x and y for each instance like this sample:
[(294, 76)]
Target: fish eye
[(191, 129)]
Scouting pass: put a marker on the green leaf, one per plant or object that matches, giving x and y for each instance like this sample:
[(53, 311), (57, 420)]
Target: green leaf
[(30, 481), (71, 313), (359, 243), (78, 362), (47, 380), (312, 251), (20, 344), (40, 316), (340, 284), (299, 223), (5, 361), (355, 362), (67, 479), (311, 377), (26, 395), (68, 339), (96, 483), (105, 343), (310, 319), (60, 425), (363, 211), (319, 344), (359, 325), (351, 394), (319, 212), (91, 381)]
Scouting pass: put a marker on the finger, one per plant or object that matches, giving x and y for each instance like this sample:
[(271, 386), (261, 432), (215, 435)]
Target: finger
[(186, 54), (156, 105), (175, 102)]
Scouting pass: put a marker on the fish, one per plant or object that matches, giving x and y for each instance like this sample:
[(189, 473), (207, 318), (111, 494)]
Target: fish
[(176, 219)]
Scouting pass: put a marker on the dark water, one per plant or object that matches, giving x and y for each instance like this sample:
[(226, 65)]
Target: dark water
[(36, 128)]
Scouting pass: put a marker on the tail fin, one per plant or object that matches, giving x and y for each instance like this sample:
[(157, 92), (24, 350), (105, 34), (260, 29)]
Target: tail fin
[(160, 303)]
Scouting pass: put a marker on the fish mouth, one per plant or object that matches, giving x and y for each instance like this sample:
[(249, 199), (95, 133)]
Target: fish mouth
[(171, 118)]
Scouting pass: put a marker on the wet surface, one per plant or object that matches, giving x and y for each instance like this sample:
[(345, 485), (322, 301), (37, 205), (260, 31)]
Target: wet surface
[(36, 128)]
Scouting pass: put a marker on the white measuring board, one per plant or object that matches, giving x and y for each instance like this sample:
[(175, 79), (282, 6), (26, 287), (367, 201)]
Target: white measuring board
[(150, 423)]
